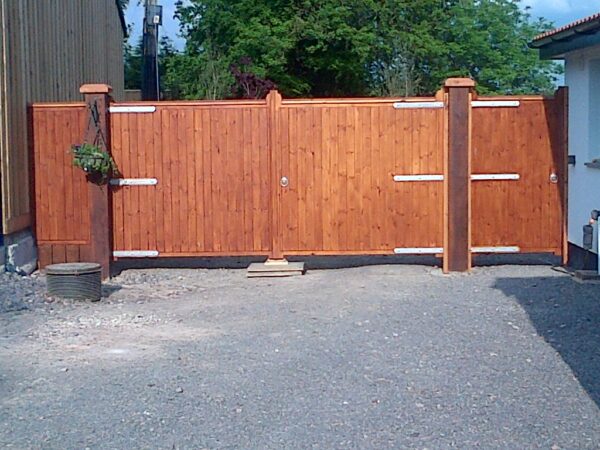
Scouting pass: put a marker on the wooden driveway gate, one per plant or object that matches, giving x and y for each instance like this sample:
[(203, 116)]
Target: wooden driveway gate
[(302, 177)]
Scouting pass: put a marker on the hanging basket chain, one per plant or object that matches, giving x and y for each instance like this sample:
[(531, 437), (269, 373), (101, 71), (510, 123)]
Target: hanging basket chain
[(93, 158), (94, 121)]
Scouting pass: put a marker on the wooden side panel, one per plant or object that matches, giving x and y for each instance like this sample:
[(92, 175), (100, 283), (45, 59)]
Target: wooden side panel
[(340, 160), (62, 205), (528, 141), (211, 163)]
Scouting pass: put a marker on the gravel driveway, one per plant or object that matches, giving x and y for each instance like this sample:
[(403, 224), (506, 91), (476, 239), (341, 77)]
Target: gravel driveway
[(363, 358)]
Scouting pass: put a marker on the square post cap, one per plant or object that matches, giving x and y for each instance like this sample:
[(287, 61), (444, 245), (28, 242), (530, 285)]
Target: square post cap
[(459, 83), (95, 89)]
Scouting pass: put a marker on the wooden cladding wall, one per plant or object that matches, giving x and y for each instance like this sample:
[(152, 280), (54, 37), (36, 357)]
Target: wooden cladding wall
[(212, 167), (340, 160), (528, 141), (49, 49)]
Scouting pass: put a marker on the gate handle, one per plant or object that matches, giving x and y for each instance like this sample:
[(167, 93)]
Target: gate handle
[(553, 178), (284, 182)]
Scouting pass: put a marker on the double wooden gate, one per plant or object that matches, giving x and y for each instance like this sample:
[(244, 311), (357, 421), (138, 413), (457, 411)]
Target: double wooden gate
[(298, 177)]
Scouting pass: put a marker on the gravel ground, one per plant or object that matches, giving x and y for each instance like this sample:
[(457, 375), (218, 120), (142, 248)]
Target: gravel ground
[(362, 358)]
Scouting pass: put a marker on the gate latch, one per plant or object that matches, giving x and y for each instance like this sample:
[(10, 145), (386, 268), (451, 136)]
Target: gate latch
[(284, 182), (553, 178)]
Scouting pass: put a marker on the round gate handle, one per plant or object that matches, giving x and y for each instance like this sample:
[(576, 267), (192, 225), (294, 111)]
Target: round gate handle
[(284, 182), (553, 178)]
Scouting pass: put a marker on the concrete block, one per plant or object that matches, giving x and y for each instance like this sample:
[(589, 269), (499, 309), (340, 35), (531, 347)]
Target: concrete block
[(587, 275), (21, 255), (275, 269)]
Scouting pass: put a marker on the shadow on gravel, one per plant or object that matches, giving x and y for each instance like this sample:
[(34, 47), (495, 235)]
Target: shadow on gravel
[(312, 262), (567, 315), (110, 289), (325, 262)]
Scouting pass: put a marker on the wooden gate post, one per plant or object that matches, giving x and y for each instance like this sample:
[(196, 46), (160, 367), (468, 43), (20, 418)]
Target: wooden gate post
[(97, 99), (274, 105), (457, 191)]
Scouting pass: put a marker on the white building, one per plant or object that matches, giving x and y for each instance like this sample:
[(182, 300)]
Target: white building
[(578, 44)]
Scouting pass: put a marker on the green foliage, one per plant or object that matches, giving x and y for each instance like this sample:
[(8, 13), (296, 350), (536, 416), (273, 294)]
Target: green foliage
[(95, 162), (359, 47), (203, 76), (133, 65), (134, 61)]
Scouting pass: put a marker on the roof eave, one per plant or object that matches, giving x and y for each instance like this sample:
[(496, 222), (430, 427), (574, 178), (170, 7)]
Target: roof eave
[(556, 45)]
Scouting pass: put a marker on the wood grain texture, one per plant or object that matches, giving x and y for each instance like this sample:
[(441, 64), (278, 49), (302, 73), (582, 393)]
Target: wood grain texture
[(212, 195), (458, 253), (340, 162), (62, 204), (219, 166), (528, 140)]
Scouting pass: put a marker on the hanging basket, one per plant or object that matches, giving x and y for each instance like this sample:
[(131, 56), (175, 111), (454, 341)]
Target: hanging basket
[(95, 162)]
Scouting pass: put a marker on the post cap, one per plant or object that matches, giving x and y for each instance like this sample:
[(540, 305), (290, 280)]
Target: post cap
[(95, 89), (459, 82)]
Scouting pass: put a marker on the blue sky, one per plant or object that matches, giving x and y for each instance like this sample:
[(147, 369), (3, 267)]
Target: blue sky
[(560, 12)]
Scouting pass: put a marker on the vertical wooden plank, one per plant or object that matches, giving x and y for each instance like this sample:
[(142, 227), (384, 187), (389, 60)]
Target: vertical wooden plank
[(207, 152), (289, 196), (177, 180), (342, 178), (54, 182), (136, 158), (44, 255), (181, 242), (317, 179), (72, 253), (266, 197), (235, 153), (159, 190), (125, 191), (199, 174), (306, 175), (192, 203), (247, 147), (118, 222), (562, 156), (59, 253), (219, 178), (254, 167), (69, 224), (167, 156), (143, 153), (83, 216)]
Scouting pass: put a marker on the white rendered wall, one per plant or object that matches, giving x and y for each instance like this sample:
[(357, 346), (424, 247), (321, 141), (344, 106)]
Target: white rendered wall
[(582, 76)]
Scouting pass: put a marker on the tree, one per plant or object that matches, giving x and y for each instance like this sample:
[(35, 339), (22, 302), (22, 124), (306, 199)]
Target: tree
[(133, 64), (134, 61), (368, 47)]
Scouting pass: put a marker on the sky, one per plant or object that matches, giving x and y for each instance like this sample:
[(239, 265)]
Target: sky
[(560, 12)]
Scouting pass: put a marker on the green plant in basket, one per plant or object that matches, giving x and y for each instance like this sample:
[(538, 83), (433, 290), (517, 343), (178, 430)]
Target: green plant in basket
[(95, 162)]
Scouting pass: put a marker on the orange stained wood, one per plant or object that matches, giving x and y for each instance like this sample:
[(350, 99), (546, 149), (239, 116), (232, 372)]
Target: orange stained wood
[(527, 141), (340, 163), (211, 164), (61, 200), (219, 166)]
